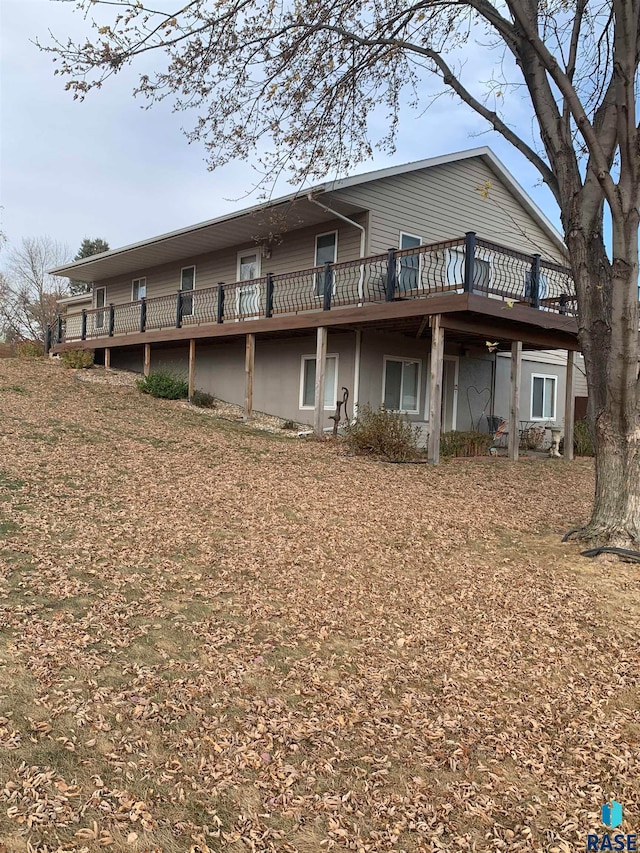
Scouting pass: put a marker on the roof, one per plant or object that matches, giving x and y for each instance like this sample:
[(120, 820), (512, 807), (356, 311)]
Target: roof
[(77, 299), (295, 210)]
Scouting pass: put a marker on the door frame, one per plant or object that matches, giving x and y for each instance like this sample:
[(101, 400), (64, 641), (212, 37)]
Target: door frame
[(454, 396)]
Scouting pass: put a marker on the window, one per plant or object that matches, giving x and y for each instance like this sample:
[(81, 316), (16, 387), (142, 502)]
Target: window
[(187, 283), (101, 301), (409, 272), (326, 250), (138, 289), (308, 382), (401, 385), (248, 298), (543, 397), (481, 271)]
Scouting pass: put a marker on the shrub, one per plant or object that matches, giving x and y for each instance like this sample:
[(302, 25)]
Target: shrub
[(383, 434), (203, 400), (471, 443), (165, 385), (29, 349), (77, 358)]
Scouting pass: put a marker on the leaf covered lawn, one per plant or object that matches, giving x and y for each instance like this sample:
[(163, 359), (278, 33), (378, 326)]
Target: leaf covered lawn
[(218, 640)]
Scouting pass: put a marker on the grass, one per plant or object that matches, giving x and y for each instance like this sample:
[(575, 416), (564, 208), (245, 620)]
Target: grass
[(212, 639)]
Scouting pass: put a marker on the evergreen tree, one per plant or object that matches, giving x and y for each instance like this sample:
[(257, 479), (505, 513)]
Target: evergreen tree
[(89, 247)]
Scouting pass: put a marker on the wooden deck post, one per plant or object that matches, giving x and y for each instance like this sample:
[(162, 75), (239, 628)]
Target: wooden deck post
[(321, 364), (514, 412), (249, 364), (192, 367), (107, 358), (435, 390), (569, 403), (147, 359)]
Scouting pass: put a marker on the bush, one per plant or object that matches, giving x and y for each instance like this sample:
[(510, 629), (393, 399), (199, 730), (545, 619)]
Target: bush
[(471, 443), (383, 434), (203, 400), (29, 349), (165, 385), (77, 358)]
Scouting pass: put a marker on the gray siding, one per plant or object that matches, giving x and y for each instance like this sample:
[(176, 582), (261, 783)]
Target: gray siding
[(296, 252), (443, 202)]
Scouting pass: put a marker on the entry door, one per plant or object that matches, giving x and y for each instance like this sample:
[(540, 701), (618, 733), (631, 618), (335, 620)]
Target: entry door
[(248, 305), (449, 393), (101, 296)]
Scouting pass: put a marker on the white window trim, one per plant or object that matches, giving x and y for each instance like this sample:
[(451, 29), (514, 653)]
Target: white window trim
[(335, 384), (95, 297), (481, 255), (402, 358), (190, 267), (555, 396), (335, 259), (420, 258), (407, 234), (243, 254), (133, 281)]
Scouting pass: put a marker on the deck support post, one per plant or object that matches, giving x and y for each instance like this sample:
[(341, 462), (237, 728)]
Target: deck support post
[(321, 365), (249, 364), (514, 411), (192, 367), (569, 404), (147, 359), (107, 358), (435, 390)]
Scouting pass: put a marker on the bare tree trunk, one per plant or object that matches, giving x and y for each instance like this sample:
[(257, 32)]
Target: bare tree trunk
[(609, 320)]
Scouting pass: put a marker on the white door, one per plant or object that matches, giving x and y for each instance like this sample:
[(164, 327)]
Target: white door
[(248, 297), (449, 393)]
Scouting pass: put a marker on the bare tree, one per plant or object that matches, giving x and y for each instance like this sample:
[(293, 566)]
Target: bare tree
[(28, 293), (308, 78)]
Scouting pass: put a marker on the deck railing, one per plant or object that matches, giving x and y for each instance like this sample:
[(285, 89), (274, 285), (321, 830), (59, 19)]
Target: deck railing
[(466, 264)]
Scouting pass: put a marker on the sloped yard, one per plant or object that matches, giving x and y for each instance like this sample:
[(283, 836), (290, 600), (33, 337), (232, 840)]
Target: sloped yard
[(213, 639)]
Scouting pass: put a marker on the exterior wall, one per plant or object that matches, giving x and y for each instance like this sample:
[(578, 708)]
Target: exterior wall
[(296, 252), (443, 202), (375, 346), (530, 365), (475, 391), (277, 377)]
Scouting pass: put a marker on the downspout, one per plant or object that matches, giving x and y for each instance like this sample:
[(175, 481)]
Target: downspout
[(361, 228), (363, 250)]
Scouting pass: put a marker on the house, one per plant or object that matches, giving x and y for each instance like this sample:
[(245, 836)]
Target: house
[(436, 288)]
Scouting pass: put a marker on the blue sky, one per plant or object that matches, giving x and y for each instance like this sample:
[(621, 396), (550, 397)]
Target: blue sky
[(109, 168)]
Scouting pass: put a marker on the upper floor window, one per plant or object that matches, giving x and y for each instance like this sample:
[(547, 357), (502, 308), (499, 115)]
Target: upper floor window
[(409, 272), (187, 284), (248, 266), (326, 250), (138, 288), (544, 391)]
